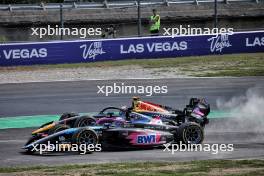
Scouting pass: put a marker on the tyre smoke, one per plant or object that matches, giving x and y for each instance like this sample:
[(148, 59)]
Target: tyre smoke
[(246, 111)]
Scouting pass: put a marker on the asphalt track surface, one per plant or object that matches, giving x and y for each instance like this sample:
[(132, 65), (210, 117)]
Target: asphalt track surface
[(81, 96)]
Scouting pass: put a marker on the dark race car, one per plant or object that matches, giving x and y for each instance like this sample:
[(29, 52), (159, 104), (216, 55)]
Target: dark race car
[(196, 111)]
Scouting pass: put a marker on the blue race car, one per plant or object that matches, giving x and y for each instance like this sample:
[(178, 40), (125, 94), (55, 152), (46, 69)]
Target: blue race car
[(140, 131)]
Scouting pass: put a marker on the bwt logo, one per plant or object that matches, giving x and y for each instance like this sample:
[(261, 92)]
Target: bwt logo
[(25, 53), (219, 42), (146, 139), (92, 51)]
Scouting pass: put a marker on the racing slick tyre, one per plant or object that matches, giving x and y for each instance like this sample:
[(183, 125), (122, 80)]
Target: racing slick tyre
[(57, 128), (190, 133), (84, 138), (84, 121), (67, 115)]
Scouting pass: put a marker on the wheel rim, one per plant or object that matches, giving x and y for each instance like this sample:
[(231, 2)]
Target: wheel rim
[(86, 122), (193, 135), (87, 138)]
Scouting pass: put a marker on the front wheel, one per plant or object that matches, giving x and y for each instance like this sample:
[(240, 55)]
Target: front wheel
[(190, 133), (84, 138)]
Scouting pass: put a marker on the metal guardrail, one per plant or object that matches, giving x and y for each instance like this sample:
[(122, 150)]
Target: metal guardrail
[(105, 4)]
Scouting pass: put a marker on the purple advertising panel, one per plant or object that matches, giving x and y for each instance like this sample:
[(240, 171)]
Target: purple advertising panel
[(129, 48)]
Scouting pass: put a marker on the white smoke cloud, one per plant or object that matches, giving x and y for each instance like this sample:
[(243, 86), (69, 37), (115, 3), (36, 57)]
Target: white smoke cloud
[(247, 111)]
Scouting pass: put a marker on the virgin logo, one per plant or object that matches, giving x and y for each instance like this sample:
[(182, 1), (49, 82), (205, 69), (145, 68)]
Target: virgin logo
[(219, 42), (92, 50)]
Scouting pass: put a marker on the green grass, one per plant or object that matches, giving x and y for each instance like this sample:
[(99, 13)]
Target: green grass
[(201, 168), (213, 65)]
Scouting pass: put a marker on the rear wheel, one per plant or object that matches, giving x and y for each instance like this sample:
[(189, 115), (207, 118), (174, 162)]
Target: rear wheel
[(190, 133), (84, 121)]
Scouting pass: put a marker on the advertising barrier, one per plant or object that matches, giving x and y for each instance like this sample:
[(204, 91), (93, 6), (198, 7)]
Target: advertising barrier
[(129, 48)]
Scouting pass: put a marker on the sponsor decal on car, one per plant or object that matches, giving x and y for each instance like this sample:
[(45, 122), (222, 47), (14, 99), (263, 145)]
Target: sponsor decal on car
[(146, 138)]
